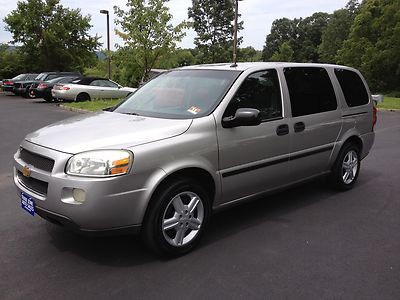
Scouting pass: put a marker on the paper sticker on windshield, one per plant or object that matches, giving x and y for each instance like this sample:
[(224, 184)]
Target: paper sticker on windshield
[(194, 110)]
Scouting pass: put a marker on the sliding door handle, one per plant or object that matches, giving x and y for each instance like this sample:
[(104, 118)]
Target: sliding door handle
[(299, 126)]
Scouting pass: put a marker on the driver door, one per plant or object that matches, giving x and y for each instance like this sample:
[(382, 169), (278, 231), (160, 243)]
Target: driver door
[(254, 159)]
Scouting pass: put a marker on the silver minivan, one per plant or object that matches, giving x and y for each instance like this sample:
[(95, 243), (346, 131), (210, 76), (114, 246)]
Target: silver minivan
[(194, 140)]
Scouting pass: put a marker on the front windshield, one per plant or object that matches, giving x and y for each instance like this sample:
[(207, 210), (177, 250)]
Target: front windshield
[(19, 77), (180, 94)]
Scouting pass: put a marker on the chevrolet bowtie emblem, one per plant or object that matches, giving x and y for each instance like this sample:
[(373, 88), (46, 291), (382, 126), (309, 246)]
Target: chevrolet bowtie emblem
[(26, 171)]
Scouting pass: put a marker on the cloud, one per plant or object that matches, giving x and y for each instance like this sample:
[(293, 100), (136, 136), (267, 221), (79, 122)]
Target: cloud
[(257, 15)]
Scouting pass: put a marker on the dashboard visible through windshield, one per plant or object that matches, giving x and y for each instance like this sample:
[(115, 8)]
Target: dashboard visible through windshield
[(180, 94)]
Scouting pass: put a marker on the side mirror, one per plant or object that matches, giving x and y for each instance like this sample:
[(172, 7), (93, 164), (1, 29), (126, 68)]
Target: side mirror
[(243, 117)]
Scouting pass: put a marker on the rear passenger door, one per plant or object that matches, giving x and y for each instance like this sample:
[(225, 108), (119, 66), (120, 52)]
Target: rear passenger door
[(315, 123)]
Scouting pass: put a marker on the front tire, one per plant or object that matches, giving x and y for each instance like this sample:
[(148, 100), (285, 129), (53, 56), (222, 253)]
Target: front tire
[(346, 168), (176, 218)]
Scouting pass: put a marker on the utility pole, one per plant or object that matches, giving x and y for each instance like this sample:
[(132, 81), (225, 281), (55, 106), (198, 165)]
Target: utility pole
[(235, 30), (103, 11)]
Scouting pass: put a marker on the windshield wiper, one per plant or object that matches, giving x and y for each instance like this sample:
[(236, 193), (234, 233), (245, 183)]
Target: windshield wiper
[(130, 113)]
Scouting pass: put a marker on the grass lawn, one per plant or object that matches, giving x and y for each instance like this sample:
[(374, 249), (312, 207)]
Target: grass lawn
[(390, 103), (93, 105)]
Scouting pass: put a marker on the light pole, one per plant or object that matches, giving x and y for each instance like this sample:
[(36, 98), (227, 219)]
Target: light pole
[(235, 30), (103, 11)]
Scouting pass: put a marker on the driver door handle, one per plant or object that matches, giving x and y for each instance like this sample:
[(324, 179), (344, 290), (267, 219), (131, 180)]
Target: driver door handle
[(282, 129)]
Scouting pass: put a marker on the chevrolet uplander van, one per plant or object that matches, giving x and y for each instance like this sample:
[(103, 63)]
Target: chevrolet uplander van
[(194, 140)]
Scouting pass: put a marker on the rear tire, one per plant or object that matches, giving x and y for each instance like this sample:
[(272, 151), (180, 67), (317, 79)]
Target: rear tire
[(346, 168), (176, 218), (82, 97)]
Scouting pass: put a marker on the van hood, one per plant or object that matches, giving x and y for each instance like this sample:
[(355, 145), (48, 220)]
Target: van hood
[(105, 130)]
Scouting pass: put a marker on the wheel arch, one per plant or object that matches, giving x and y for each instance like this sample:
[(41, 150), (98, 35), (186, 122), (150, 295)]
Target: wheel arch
[(350, 137), (83, 93), (196, 173)]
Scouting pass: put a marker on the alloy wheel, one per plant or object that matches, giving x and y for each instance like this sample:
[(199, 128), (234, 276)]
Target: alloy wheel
[(350, 167), (182, 219)]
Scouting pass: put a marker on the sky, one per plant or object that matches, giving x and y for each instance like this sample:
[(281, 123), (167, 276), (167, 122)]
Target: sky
[(257, 15)]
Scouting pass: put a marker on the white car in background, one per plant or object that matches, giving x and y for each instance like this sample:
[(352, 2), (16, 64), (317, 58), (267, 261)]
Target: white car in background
[(89, 88)]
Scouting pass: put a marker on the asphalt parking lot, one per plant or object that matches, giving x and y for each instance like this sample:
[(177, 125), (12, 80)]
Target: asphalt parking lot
[(306, 243)]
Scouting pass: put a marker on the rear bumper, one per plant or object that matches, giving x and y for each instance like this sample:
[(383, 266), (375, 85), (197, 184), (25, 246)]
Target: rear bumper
[(63, 95), (7, 88)]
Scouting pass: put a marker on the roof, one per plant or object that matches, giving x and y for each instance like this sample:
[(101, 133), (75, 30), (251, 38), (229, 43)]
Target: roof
[(243, 66), (88, 80)]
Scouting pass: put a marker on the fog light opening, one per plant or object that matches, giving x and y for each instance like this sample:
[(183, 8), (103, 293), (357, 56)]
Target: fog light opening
[(79, 195)]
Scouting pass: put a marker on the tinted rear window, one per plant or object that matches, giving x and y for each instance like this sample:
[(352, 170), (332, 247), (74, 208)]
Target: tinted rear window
[(353, 87), (310, 90)]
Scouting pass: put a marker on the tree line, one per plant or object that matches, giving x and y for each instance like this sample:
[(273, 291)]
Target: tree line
[(365, 35)]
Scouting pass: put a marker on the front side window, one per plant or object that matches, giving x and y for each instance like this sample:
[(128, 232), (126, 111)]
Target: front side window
[(180, 94), (261, 91), (310, 90), (110, 84), (353, 87)]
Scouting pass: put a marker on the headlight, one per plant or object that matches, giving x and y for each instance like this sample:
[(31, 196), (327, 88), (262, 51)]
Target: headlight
[(100, 163)]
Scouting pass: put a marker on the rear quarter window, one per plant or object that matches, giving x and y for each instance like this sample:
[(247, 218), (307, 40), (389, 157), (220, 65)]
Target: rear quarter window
[(353, 87)]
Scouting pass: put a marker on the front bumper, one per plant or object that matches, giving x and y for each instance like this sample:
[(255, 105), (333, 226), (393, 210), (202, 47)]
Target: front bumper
[(112, 204)]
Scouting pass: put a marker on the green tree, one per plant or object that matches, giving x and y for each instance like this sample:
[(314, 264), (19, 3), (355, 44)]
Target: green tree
[(11, 62), (302, 35), (282, 30), (178, 58), (212, 21), (51, 36), (337, 31), (373, 45), (285, 53), (147, 32), (248, 54)]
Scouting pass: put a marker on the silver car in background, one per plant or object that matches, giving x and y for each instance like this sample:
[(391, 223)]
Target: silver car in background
[(194, 140), (89, 88)]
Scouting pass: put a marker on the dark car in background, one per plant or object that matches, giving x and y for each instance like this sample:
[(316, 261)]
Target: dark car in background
[(22, 87), (43, 89), (8, 84)]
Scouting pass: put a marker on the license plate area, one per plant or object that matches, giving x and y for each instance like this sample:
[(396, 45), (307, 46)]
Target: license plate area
[(27, 203)]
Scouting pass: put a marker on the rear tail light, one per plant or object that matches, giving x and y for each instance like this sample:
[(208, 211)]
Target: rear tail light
[(8, 83), (374, 116), (42, 86), (66, 88)]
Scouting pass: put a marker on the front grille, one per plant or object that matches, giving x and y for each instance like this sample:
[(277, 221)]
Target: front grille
[(36, 160), (33, 184)]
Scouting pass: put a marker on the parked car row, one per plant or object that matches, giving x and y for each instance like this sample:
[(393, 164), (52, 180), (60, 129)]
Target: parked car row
[(61, 86)]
